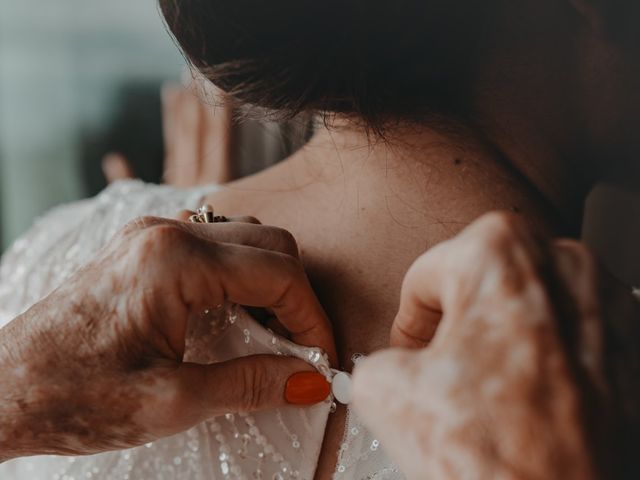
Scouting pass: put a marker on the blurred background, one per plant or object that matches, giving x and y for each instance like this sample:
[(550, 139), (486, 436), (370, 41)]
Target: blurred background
[(77, 78), (80, 78)]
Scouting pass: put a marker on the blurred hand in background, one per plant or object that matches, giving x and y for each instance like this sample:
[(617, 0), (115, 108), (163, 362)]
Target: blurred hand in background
[(197, 128)]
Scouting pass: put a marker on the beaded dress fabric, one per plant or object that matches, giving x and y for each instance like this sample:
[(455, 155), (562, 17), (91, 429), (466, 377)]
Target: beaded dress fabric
[(274, 445)]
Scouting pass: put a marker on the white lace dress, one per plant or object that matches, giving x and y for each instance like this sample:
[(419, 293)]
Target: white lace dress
[(273, 445)]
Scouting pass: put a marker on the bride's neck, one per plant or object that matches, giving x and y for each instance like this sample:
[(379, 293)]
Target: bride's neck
[(343, 147), (414, 161)]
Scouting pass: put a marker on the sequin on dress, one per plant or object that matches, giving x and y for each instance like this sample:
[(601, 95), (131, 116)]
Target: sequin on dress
[(279, 444)]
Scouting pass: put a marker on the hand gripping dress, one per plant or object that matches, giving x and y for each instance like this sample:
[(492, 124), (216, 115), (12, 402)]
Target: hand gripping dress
[(279, 444)]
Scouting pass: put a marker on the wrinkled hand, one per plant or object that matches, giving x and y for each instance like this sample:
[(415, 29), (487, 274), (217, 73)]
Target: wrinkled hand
[(514, 381), (98, 365)]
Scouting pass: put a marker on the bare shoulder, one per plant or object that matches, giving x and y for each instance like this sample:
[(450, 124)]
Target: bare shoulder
[(279, 194), (255, 195)]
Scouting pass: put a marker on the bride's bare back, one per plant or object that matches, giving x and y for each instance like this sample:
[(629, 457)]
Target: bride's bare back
[(533, 79), (362, 212)]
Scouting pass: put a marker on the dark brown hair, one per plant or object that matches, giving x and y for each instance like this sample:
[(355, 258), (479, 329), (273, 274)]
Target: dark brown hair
[(376, 60)]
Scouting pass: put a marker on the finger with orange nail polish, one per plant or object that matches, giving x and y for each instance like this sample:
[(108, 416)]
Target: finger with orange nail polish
[(306, 388)]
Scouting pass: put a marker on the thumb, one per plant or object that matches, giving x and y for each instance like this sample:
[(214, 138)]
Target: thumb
[(389, 399), (251, 383)]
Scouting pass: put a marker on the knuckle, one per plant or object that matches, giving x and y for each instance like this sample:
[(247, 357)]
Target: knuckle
[(578, 248), (292, 267), (581, 253), (178, 395), (252, 385), (160, 238), (165, 235), (138, 224), (249, 219), (501, 225), (503, 248), (496, 233), (282, 240)]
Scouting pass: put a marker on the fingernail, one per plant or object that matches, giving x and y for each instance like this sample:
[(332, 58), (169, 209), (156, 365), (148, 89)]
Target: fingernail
[(306, 388)]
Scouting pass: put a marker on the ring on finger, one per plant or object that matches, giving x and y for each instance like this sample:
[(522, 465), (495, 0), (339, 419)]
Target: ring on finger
[(205, 214)]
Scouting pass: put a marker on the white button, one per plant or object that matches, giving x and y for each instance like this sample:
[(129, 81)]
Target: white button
[(341, 387)]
